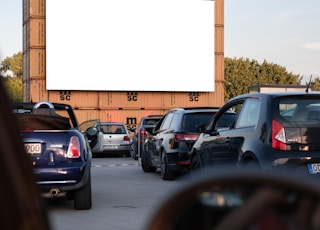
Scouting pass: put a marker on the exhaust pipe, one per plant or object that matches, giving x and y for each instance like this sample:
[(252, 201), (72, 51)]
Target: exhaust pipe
[(54, 192)]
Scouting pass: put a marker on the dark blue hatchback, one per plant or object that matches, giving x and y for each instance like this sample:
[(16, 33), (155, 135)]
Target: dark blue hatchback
[(269, 131)]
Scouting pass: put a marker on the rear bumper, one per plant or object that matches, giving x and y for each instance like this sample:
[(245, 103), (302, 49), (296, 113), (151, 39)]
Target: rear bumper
[(115, 149), (179, 161), (63, 178)]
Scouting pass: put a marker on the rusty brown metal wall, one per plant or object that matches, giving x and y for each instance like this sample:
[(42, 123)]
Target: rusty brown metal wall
[(130, 117), (112, 106), (34, 46), (219, 51), (127, 107)]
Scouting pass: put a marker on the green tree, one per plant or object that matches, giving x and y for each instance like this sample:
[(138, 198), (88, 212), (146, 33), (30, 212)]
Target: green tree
[(14, 88), (13, 63), (240, 73), (315, 84), (13, 83)]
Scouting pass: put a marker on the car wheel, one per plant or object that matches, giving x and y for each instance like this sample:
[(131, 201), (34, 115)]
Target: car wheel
[(195, 165), (145, 163), (82, 197), (166, 174), (133, 152)]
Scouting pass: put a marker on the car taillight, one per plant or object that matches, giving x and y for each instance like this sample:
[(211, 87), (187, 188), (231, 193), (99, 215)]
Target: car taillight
[(126, 138), (74, 148), (186, 137), (189, 139), (278, 136), (142, 135)]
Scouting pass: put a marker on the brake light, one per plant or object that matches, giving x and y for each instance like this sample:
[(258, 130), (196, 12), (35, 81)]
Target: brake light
[(186, 137), (278, 136), (143, 132), (74, 148), (126, 138), (142, 135)]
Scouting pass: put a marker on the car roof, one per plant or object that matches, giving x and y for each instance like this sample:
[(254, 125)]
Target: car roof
[(152, 117), (111, 123), (196, 109), (278, 94)]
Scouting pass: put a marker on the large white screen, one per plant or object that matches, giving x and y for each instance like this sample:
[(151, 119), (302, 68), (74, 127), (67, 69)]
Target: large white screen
[(130, 45)]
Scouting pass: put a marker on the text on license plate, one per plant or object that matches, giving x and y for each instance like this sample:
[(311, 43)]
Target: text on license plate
[(34, 148), (314, 168)]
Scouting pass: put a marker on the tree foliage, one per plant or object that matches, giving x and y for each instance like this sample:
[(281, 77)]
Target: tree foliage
[(13, 63), (13, 84), (315, 84), (240, 73), (14, 88)]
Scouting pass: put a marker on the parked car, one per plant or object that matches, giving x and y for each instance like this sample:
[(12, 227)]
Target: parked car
[(271, 131), (172, 140), (59, 153), (140, 134), (111, 138)]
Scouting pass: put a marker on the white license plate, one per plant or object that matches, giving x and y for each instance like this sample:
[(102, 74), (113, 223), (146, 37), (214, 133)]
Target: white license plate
[(111, 146), (34, 148), (314, 168)]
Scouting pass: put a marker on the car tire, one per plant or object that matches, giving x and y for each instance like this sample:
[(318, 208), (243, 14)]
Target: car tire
[(195, 165), (146, 167), (165, 173), (82, 197), (133, 152)]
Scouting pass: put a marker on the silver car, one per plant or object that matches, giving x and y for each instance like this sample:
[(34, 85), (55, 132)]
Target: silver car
[(112, 138)]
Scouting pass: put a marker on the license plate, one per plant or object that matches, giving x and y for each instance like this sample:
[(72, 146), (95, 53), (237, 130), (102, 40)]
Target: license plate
[(314, 168), (111, 146), (34, 148)]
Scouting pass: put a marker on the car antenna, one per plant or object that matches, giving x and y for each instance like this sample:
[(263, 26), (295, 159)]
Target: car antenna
[(309, 84)]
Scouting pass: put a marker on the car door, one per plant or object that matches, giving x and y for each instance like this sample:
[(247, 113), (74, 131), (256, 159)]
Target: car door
[(218, 140), (95, 138), (160, 131)]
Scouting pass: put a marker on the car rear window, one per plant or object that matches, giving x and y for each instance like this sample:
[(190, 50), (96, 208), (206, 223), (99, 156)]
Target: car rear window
[(150, 121), (192, 121), (300, 111), (112, 129)]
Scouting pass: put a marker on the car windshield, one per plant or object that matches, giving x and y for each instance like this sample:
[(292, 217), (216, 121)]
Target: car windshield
[(192, 121)]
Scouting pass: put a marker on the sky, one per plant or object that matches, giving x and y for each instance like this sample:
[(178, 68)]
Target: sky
[(283, 32)]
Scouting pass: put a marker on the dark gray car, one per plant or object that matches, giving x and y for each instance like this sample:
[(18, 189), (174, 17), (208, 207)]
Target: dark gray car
[(270, 130), (172, 139)]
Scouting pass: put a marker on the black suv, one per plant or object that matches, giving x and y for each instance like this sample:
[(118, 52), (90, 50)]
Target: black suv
[(171, 140), (270, 130), (140, 134)]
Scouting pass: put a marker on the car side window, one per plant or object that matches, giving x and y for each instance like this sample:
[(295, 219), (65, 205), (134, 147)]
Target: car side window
[(249, 114), (229, 117), (167, 121)]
